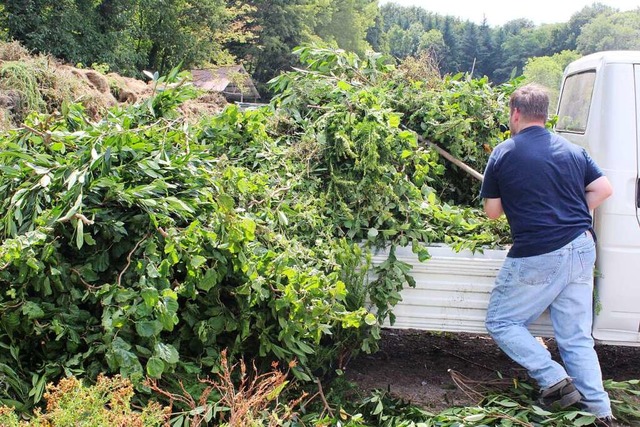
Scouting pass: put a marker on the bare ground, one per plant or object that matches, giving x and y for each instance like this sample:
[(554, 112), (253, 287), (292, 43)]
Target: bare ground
[(415, 366)]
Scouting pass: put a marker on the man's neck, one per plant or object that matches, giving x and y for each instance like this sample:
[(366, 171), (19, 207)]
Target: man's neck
[(526, 125)]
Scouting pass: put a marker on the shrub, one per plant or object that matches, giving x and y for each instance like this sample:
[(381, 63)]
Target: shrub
[(107, 403), (143, 245)]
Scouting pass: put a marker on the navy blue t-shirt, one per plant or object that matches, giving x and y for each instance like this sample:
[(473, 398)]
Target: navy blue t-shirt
[(540, 178)]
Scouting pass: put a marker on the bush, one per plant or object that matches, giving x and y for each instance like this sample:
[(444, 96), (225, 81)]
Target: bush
[(105, 404), (143, 245)]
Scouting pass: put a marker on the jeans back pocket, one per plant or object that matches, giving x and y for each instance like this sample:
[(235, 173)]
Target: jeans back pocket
[(539, 269), (587, 257)]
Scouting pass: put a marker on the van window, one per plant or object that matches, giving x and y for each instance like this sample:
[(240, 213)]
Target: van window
[(575, 100)]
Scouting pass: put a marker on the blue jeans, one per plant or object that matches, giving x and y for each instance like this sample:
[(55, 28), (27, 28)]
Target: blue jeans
[(562, 281)]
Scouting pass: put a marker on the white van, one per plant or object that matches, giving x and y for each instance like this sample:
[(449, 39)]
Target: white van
[(599, 108)]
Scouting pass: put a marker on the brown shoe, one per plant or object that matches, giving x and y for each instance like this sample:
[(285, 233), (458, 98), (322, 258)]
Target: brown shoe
[(559, 396)]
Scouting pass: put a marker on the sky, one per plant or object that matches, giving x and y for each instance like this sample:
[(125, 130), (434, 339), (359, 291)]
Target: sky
[(500, 12)]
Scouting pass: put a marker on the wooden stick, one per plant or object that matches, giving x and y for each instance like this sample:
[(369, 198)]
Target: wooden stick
[(444, 153), (324, 399), (465, 167)]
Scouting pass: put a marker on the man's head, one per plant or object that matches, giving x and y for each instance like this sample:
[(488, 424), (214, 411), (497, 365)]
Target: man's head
[(529, 106)]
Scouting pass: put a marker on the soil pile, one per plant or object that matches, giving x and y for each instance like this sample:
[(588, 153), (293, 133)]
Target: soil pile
[(40, 83)]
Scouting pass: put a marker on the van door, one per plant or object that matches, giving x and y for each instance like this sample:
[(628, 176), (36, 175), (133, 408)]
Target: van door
[(616, 97), (599, 109)]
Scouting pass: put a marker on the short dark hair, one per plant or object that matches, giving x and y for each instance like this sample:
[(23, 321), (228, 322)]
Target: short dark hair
[(532, 101)]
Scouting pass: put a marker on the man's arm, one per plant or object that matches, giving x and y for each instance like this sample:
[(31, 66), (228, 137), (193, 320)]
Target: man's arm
[(493, 208), (598, 191)]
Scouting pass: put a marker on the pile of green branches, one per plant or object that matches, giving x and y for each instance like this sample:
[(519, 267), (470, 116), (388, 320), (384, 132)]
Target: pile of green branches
[(145, 246)]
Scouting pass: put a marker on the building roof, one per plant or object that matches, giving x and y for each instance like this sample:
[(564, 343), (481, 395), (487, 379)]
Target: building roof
[(219, 79)]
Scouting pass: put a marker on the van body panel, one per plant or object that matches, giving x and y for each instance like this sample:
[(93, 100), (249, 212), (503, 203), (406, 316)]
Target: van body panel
[(452, 291), (611, 138)]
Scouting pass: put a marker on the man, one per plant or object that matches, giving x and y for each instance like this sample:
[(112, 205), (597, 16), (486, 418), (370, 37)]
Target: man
[(546, 187)]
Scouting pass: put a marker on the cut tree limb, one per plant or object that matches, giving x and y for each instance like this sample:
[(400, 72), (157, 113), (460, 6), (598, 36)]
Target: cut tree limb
[(444, 153)]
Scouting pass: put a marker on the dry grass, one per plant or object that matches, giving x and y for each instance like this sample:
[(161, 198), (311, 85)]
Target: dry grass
[(104, 404), (423, 67), (249, 399), (40, 83), (13, 51)]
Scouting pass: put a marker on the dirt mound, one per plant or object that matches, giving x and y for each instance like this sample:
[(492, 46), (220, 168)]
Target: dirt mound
[(127, 89), (40, 83)]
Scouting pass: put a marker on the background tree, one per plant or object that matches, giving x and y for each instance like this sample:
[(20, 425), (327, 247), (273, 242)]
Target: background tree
[(67, 29), (3, 18), (398, 46), (409, 40), (450, 62), (190, 32), (279, 26), (133, 35), (518, 45), (376, 36), (469, 48), (547, 71), (498, 57), (432, 42), (567, 39), (619, 31), (394, 14), (347, 24), (129, 36), (486, 49)]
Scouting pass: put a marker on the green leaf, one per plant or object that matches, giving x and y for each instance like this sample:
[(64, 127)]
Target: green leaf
[(394, 121), (155, 367), (539, 411), (167, 352), (150, 296), (178, 204), (39, 382), (167, 313), (507, 403), (474, 418), (249, 229), (209, 280), (283, 218), (73, 210), (32, 310), (179, 421), (344, 85), (305, 347), (148, 328), (583, 420), (423, 254), (226, 202), (370, 319), (197, 261), (58, 146), (79, 234), (152, 271), (89, 240)]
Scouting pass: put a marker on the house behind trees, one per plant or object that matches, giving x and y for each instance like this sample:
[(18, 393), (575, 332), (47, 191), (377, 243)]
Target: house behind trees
[(232, 81)]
